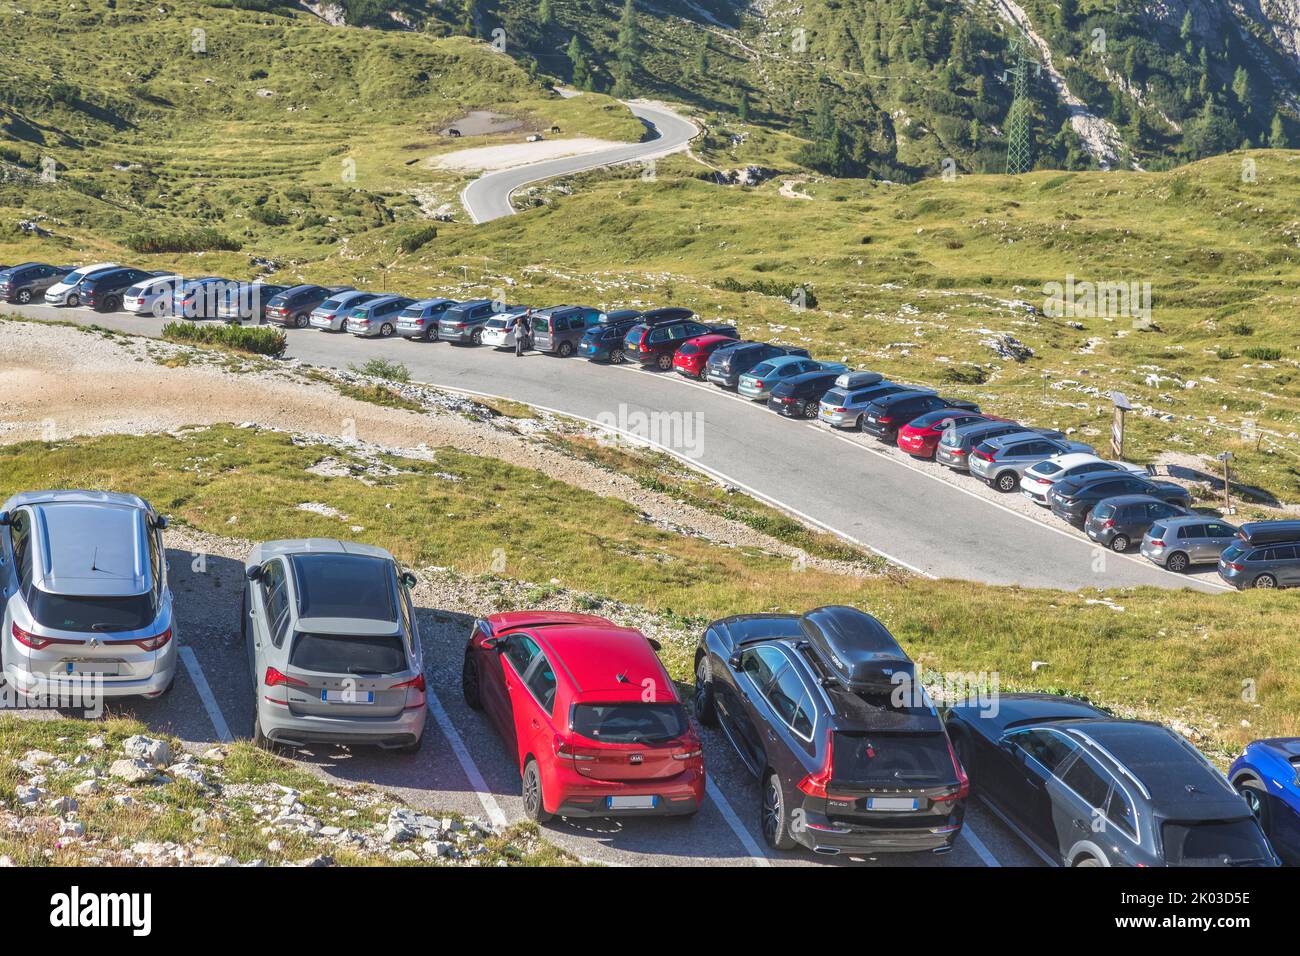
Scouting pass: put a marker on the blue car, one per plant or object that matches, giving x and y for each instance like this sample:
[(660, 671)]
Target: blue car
[(603, 342), (1267, 774), (758, 382)]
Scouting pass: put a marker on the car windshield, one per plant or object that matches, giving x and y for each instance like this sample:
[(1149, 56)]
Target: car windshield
[(629, 723), (1215, 841), (344, 654), (891, 760), (65, 612)]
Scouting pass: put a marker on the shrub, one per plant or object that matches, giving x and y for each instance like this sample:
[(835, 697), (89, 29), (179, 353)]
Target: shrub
[(770, 287), (382, 368), (1240, 328), (1263, 354), (253, 339), (185, 240), (269, 216), (964, 375), (418, 238)]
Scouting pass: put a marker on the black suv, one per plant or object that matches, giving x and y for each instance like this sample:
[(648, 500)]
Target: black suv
[(825, 710), (29, 280), (800, 397), (293, 307), (655, 339), (887, 414), (1118, 522), (1074, 498), (103, 291), (726, 365)]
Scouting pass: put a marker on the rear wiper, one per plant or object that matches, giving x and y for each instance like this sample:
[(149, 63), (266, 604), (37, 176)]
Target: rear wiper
[(109, 628), (360, 672)]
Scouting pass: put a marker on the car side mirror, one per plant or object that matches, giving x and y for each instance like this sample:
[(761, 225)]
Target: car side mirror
[(254, 573), (161, 522), (409, 579), (734, 662), (497, 644), (5, 519)]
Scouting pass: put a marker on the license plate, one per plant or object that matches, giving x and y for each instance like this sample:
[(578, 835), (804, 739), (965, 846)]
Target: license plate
[(89, 669), (631, 803), (347, 696), (871, 418), (891, 803)]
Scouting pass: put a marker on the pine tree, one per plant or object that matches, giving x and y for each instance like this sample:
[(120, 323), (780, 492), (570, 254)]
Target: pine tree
[(546, 14), (1242, 88), (1277, 134), (578, 59), (629, 49)]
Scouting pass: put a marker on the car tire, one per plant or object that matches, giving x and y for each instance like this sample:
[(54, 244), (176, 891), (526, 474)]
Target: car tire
[(534, 801), (301, 320), (24, 296), (1177, 563), (260, 740), (861, 423), (1119, 544), (72, 301), (565, 349), (469, 686), (706, 712), (113, 303), (386, 330), (616, 357), (476, 337), (774, 818), (1264, 581), (1256, 797), (1087, 861), (665, 362), (810, 411), (1007, 482)]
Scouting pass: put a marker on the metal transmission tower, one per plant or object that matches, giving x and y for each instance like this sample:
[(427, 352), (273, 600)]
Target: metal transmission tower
[(1019, 146)]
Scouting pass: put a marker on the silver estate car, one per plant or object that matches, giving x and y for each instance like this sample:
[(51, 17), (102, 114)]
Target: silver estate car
[(1001, 461), (87, 605), (844, 407), (332, 645), (1179, 542)]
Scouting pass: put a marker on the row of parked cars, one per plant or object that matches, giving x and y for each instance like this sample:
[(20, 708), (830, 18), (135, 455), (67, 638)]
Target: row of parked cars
[(1118, 505), (824, 708)]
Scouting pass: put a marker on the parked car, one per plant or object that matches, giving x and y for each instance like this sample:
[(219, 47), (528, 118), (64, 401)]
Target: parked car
[(463, 324), (1001, 461), (199, 298), (799, 397), (757, 384), (376, 318), (844, 406), (603, 342), (1088, 789), (28, 280), (419, 320), (956, 444), (568, 695), (1073, 499), (1178, 543), (247, 301), (727, 363), (808, 703), (499, 330), (87, 603), (920, 437), (655, 339), (559, 329), (1267, 775), (332, 314), (1039, 478), (67, 291), (152, 296), (858, 379), (1266, 554), (104, 291), (332, 645), (692, 356), (293, 307), (1117, 522), (886, 415)]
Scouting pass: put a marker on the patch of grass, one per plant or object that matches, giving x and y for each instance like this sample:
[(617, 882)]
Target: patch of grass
[(417, 238), (248, 339), (192, 240), (1263, 354), (383, 368), (377, 394)]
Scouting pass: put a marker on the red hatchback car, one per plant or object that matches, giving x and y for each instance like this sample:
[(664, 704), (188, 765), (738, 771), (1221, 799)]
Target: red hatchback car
[(589, 712), (920, 437), (690, 359)]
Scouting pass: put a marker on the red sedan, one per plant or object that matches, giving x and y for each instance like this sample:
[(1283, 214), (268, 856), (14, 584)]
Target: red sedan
[(920, 437), (589, 712), (690, 359)]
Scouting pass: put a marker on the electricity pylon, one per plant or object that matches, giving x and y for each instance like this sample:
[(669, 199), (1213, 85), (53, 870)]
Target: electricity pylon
[(1019, 145)]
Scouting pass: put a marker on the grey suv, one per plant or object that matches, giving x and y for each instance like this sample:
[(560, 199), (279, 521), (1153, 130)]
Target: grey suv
[(1178, 543), (1001, 461), (844, 407), (86, 597), (22, 283), (956, 444), (1118, 522), (464, 323), (332, 645), (1266, 554)]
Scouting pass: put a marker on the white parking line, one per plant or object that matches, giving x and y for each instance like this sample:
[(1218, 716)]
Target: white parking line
[(978, 846), (205, 694), (489, 803), (751, 846)]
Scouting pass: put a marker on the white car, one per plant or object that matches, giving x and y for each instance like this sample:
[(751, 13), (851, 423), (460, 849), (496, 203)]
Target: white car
[(499, 331), (66, 293), (151, 297), (1038, 479)]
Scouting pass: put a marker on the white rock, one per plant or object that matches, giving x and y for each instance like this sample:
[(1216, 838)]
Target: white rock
[(132, 771), (155, 751)]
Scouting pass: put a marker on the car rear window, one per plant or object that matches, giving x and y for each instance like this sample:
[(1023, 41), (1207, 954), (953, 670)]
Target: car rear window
[(891, 760), (1214, 841), (629, 723), (1046, 468), (1157, 531), (834, 397), (688, 349), (344, 654), (412, 312), (329, 304), (66, 612), (1104, 510), (762, 368)]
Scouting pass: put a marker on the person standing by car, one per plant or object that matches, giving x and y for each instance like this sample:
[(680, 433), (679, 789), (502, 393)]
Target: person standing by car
[(523, 333)]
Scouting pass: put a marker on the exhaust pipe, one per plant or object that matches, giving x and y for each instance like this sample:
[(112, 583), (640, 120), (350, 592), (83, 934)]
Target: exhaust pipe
[(946, 848), (826, 850)]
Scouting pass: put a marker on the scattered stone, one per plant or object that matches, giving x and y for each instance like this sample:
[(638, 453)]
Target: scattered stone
[(132, 771), (155, 751)]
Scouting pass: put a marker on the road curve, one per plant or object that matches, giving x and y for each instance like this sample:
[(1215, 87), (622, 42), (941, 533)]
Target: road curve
[(844, 483), (488, 197)]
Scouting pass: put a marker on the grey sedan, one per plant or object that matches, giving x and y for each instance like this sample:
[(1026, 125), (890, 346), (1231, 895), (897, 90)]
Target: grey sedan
[(1178, 543)]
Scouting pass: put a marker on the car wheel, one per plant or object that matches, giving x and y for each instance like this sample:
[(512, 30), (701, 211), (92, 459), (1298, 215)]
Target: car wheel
[(1177, 562), (1119, 543), (476, 337), (665, 362), (1007, 482), (386, 330), (1256, 797), (775, 821), (565, 349), (616, 357), (301, 320), (24, 296), (810, 411), (112, 303), (534, 803), (861, 423), (1265, 581), (260, 740), (73, 300), (1087, 861), (469, 687), (705, 711)]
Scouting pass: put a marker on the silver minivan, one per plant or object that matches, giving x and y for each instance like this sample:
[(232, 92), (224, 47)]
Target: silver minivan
[(86, 604), (332, 645), (1180, 542)]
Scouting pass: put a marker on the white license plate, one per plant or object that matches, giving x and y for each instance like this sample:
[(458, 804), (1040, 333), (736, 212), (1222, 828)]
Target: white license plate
[(871, 418), (89, 669), (631, 803), (348, 696), (891, 803)]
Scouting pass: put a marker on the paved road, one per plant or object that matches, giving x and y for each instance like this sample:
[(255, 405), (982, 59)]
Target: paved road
[(843, 482), (488, 197)]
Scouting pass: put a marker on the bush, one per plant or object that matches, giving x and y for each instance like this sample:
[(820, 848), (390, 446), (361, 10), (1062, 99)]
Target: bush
[(253, 339), (269, 216), (1263, 355), (964, 375), (419, 238), (770, 287), (382, 368), (188, 240)]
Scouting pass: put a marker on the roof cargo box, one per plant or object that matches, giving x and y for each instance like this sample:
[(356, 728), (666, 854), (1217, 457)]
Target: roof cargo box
[(855, 648), (1269, 532), (858, 379)]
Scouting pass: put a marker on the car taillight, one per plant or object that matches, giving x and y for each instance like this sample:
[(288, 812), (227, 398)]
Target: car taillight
[(958, 451), (983, 454), (1108, 523), (157, 642), (886, 419), (1235, 567), (1043, 481), (815, 784), (35, 642), (1157, 543), (565, 749), (415, 683), (839, 408), (275, 679), (963, 781)]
